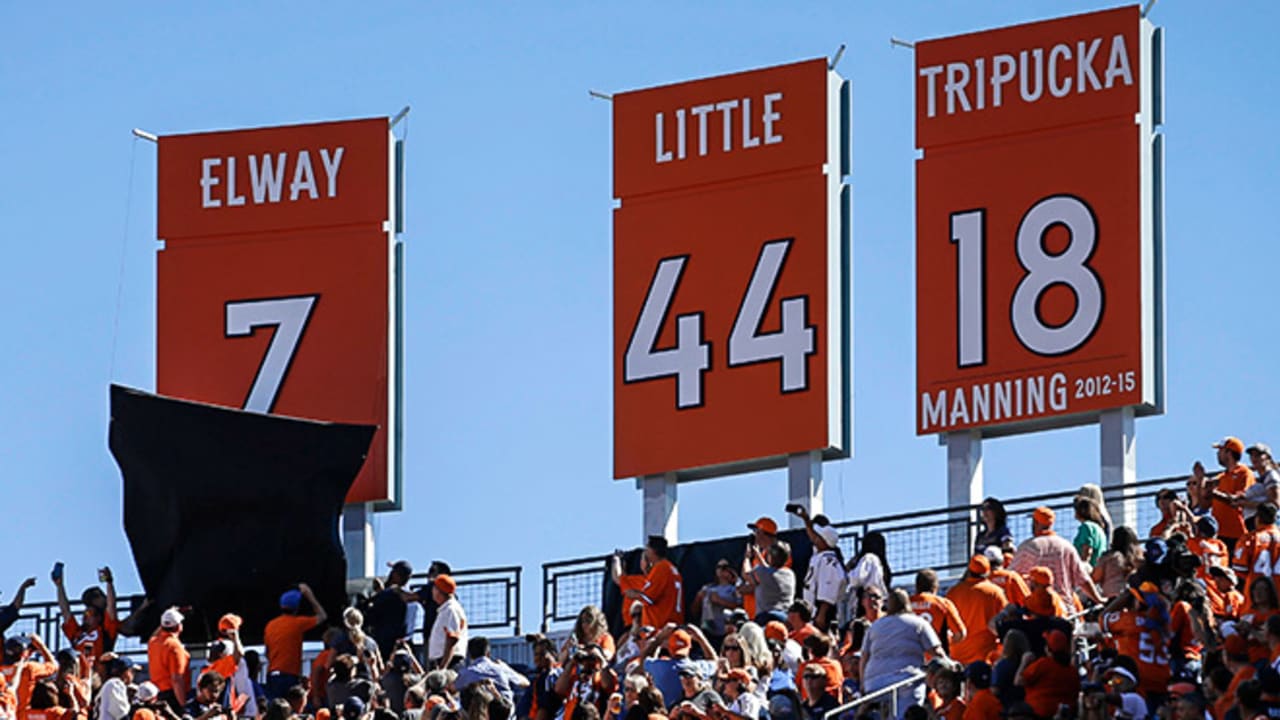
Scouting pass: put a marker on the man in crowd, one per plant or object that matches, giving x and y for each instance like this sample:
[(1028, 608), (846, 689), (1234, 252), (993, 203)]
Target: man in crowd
[(447, 643), (1056, 553), (659, 590), (772, 581), (894, 647), (764, 533), (818, 698), (207, 701), (9, 613), (482, 668), (283, 637), (1258, 552), (938, 611), (388, 613), (1228, 488), (824, 580), (799, 621), (696, 697), (977, 600), (22, 670), (168, 662), (95, 633), (1014, 587)]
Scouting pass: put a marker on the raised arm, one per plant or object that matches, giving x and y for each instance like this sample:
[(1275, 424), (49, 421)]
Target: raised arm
[(20, 596), (110, 582), (64, 606), (316, 607), (708, 651)]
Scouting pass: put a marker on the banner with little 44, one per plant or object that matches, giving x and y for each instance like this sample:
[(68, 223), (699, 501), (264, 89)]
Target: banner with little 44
[(729, 275)]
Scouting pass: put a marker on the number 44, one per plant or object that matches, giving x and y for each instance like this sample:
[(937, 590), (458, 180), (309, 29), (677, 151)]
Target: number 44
[(691, 357)]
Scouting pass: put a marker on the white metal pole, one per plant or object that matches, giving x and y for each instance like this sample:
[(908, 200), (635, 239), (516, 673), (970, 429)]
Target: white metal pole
[(1116, 433), (661, 506), (357, 540), (804, 484), (964, 487)]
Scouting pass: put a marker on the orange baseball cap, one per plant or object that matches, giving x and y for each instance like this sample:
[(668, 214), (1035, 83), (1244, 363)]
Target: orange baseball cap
[(979, 565), (230, 621), (445, 584), (1043, 515), (1233, 444), (1057, 641), (775, 630), (764, 524), (1041, 574), (679, 643)]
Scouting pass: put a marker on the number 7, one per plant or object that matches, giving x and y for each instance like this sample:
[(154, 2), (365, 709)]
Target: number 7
[(289, 315)]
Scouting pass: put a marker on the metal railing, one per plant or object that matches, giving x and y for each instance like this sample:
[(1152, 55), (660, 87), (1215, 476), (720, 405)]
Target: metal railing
[(490, 597), (569, 585), (890, 690), (914, 541)]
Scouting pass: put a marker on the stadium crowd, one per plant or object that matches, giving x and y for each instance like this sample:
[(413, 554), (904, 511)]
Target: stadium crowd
[(1179, 621)]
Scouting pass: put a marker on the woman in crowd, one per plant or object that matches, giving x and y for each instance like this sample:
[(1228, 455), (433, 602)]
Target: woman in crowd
[(868, 571), (1091, 539), (994, 530), (1113, 569), (1005, 670), (591, 628), (1094, 493), (1049, 681)]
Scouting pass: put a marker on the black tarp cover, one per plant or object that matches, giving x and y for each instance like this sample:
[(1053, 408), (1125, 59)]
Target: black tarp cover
[(697, 564), (225, 509)]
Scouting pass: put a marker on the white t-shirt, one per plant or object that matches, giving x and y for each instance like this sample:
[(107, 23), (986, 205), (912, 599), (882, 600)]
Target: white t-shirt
[(113, 700), (450, 620), (824, 580)]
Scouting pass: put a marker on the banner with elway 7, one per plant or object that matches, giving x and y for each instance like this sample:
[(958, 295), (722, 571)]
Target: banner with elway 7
[(1038, 247), (276, 288), (730, 337)]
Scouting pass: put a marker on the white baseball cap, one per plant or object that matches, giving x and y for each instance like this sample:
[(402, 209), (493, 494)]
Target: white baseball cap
[(147, 691), (829, 535), (171, 618)]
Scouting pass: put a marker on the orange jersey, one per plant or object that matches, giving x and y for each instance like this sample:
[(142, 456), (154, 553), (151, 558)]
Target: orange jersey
[(940, 613), (92, 643), (1184, 642), (1049, 684), (1212, 553), (663, 594), (1231, 519), (224, 666), (283, 637), (53, 713), (1226, 605), (32, 672), (984, 705), (1014, 587), (1144, 646), (1228, 699), (1258, 553), (166, 657), (953, 710), (977, 601)]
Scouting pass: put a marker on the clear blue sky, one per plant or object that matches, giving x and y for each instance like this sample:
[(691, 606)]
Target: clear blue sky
[(508, 378)]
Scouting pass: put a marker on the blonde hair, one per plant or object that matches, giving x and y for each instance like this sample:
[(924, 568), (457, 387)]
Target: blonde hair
[(755, 650), (590, 625), (354, 620)]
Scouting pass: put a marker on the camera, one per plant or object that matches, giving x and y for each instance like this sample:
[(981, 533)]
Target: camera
[(795, 508)]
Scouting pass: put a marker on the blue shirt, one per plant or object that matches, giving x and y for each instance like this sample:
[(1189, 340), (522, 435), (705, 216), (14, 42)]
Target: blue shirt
[(503, 677)]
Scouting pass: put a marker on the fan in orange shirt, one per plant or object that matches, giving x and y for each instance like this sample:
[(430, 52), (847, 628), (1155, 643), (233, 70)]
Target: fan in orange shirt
[(1258, 552), (936, 610), (95, 633), (978, 601), (1143, 645), (982, 702), (659, 591), (1224, 599), (946, 684), (1052, 680), (1262, 602), (1040, 581), (1227, 487), (1014, 587), (17, 657)]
